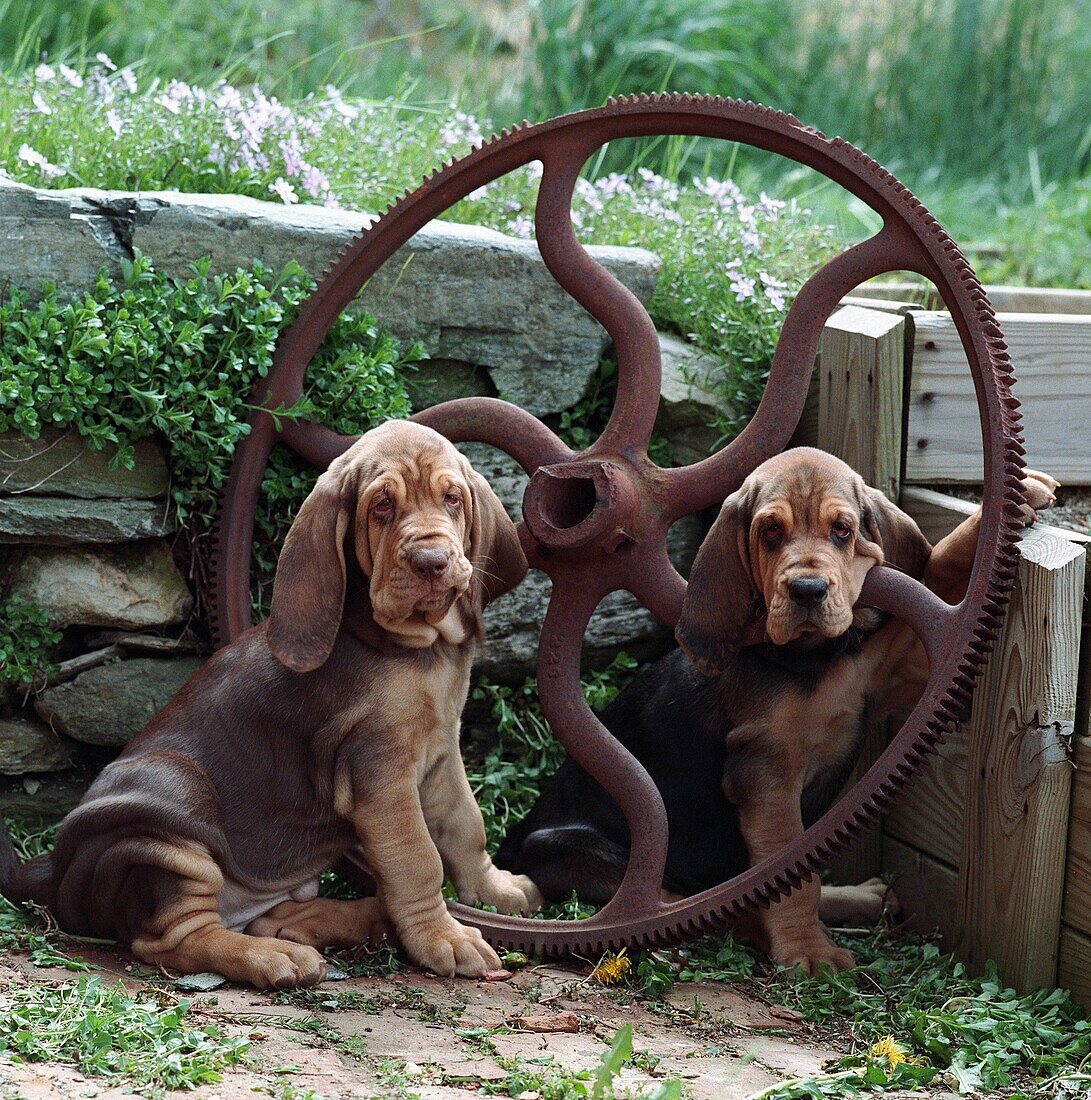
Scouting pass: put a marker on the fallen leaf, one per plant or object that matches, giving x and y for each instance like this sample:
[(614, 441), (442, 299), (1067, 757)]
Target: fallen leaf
[(567, 1022), (200, 983)]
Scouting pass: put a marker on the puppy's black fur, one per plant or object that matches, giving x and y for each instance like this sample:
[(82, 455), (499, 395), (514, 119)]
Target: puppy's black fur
[(676, 722)]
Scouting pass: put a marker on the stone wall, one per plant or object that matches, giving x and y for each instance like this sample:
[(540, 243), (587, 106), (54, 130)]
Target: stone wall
[(92, 546)]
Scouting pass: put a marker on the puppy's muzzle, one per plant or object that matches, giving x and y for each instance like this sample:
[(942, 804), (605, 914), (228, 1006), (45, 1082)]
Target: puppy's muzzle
[(808, 591), (429, 563)]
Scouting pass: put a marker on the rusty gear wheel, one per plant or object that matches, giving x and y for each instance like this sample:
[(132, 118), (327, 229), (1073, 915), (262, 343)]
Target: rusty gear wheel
[(596, 521)]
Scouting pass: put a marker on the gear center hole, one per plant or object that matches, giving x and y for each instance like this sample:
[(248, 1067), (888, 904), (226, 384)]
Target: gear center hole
[(567, 501)]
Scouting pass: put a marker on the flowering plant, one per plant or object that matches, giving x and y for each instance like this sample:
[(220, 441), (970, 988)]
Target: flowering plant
[(731, 263)]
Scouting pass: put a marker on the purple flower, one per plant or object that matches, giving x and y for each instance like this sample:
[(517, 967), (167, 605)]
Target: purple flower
[(770, 206), (128, 78), (293, 156), (72, 78), (339, 105), (104, 60), (774, 289), (723, 191), (44, 73), (521, 226), (40, 104), (35, 159), (284, 191), (315, 182), (113, 120)]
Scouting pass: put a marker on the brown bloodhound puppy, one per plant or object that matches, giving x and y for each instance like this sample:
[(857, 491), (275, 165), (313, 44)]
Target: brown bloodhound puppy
[(332, 724), (749, 746)]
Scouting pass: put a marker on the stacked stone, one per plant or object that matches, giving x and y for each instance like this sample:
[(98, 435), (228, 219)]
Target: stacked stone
[(92, 546)]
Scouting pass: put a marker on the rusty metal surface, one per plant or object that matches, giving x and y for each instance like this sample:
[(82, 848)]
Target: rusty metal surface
[(596, 521)]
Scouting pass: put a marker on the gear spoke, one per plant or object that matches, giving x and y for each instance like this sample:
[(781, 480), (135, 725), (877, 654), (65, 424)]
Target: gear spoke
[(607, 299), (708, 482), (597, 521)]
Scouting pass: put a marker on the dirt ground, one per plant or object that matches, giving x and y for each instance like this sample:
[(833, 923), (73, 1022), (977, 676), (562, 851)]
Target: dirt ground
[(413, 1034)]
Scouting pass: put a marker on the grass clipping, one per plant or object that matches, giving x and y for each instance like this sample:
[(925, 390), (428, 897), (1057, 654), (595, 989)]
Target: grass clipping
[(108, 1032)]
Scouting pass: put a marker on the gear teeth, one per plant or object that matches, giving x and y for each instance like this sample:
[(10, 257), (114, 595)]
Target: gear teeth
[(979, 631)]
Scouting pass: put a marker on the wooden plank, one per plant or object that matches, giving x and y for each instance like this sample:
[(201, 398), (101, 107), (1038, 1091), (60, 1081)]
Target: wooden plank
[(860, 397), (860, 394), (883, 305), (1007, 299), (1077, 888), (938, 514), (1012, 860), (1052, 357), (926, 888), (806, 433), (1074, 964), (929, 815)]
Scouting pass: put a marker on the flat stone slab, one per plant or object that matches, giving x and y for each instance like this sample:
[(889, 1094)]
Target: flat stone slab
[(28, 746), (111, 704), (690, 404), (65, 521), (60, 463), (131, 587), (472, 295)]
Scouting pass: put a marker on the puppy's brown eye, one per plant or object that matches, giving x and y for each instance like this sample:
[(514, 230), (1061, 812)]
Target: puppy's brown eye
[(771, 537), (383, 508), (452, 500), (841, 532)]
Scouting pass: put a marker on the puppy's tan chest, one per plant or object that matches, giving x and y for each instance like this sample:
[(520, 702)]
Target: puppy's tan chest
[(820, 727), (426, 705)]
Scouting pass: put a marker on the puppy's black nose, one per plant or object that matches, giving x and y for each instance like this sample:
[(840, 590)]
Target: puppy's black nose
[(429, 562), (808, 591)]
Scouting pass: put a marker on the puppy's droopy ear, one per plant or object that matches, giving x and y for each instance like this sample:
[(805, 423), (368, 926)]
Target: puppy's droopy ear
[(495, 552), (721, 596), (904, 546), (309, 587)]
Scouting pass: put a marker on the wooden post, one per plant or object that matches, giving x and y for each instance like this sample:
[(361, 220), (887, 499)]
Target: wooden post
[(1018, 772), (861, 381), (861, 394)]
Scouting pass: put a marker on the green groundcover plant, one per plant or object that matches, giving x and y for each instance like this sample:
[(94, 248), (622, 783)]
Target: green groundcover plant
[(731, 261), (178, 360)]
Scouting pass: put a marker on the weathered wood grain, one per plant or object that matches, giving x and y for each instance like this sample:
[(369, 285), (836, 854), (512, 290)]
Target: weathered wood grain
[(1052, 357), (1018, 775)]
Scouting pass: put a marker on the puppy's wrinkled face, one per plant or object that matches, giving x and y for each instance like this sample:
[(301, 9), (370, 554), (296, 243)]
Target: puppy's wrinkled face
[(810, 548), (412, 535)]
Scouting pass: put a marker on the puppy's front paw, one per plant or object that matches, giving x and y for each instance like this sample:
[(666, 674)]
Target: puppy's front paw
[(270, 963), (448, 948), (1038, 493), (507, 893), (810, 952)]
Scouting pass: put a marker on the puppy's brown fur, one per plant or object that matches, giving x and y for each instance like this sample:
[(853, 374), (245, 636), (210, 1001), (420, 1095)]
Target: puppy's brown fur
[(335, 723), (806, 515), (750, 738)]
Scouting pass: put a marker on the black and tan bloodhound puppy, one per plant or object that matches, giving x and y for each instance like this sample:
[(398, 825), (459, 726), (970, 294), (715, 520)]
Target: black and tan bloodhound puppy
[(749, 752), (332, 724)]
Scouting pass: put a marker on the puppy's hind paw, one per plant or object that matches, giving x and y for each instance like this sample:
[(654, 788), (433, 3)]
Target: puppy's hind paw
[(810, 954), (276, 964)]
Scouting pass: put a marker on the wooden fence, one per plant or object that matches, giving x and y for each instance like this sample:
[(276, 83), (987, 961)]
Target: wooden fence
[(992, 845)]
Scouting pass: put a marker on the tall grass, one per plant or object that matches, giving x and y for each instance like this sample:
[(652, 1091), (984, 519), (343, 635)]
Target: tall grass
[(291, 46), (977, 88)]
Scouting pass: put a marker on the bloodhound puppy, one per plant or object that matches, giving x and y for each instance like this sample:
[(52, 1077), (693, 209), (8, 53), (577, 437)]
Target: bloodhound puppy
[(750, 749), (335, 723)]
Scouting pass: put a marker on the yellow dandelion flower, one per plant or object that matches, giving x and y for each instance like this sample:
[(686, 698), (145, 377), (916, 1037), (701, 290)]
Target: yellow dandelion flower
[(887, 1048), (612, 968)]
